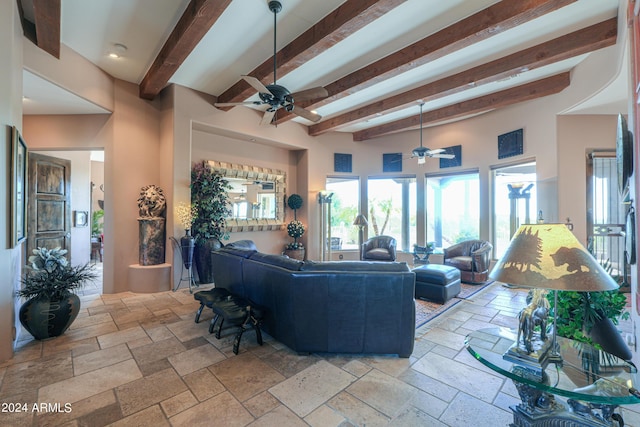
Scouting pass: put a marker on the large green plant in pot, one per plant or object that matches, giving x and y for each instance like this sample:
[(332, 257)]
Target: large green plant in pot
[(49, 283), (209, 192)]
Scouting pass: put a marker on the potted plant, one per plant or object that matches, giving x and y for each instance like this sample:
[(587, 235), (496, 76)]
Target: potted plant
[(49, 284), (295, 229), (590, 317), (209, 193)]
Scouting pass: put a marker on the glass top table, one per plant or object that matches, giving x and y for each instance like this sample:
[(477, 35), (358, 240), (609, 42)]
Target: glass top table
[(585, 374)]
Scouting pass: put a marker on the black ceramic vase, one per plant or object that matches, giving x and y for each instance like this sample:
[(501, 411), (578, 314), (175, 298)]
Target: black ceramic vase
[(202, 256), (44, 318), (187, 244)]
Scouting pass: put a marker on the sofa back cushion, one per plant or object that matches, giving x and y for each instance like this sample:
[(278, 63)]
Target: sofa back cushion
[(354, 266), (277, 260)]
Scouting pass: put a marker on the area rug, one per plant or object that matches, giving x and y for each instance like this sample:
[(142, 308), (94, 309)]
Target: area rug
[(429, 310)]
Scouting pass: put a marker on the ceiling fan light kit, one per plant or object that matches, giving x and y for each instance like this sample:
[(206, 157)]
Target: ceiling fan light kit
[(276, 96)]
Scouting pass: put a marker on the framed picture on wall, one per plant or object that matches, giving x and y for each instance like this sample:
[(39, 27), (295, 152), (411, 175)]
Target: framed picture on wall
[(510, 144), (80, 218), (18, 188)]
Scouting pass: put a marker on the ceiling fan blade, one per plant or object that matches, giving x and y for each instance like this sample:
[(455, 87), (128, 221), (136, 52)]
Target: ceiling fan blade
[(308, 94), (233, 104), (434, 151), (268, 117), (256, 84), (306, 114), (443, 156)]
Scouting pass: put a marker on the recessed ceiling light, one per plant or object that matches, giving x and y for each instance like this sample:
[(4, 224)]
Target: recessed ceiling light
[(117, 51)]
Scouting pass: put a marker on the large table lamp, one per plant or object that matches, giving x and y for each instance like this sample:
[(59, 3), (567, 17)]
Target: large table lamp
[(546, 257)]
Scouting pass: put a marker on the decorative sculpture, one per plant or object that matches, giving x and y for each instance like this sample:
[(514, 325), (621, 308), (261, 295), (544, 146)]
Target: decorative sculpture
[(152, 203), (152, 206), (534, 314)]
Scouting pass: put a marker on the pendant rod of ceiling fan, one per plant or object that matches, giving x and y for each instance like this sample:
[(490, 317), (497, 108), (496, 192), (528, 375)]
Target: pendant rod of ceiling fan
[(275, 28), (275, 6), (421, 124)]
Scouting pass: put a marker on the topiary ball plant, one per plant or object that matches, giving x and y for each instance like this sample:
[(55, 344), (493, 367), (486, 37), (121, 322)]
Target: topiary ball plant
[(294, 202)]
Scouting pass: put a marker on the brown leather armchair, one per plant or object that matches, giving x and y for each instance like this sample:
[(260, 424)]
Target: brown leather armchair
[(472, 258), (379, 248)]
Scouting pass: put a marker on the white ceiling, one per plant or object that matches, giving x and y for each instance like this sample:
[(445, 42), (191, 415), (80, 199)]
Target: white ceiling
[(242, 39)]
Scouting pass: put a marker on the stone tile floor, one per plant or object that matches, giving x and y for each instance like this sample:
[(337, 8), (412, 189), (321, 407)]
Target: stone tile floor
[(139, 359)]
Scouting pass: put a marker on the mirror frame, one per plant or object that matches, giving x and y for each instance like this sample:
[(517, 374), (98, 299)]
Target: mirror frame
[(232, 170)]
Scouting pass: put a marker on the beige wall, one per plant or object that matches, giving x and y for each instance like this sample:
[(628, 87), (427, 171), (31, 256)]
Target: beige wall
[(130, 138), (578, 135), (10, 115)]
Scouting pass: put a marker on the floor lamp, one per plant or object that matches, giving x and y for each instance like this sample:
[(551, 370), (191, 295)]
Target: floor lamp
[(324, 200), (361, 222)]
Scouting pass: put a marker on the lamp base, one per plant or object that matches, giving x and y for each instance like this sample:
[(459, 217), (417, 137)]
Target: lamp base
[(535, 362)]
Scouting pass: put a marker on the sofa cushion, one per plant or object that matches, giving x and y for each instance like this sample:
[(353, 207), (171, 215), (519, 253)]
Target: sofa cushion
[(243, 244), (460, 262), (379, 253), (241, 252), (277, 260), (354, 266)]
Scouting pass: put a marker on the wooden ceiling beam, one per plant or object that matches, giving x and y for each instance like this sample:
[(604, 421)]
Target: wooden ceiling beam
[(483, 104), (46, 14), (491, 21), (350, 17), (194, 23), (577, 43)]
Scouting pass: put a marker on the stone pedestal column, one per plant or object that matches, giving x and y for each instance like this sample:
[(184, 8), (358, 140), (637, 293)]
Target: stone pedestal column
[(151, 240)]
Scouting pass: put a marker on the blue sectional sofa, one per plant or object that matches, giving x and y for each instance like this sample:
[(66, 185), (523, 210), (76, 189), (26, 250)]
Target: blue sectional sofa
[(333, 307)]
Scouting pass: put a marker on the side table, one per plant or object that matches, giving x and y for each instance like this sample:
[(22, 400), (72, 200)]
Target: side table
[(593, 397)]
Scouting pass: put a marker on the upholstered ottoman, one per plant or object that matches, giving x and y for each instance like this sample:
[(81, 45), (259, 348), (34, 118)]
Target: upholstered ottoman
[(437, 282)]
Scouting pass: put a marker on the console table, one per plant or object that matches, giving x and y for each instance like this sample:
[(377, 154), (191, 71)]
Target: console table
[(594, 382)]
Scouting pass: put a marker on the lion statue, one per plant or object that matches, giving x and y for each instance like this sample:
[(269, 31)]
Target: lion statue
[(151, 203)]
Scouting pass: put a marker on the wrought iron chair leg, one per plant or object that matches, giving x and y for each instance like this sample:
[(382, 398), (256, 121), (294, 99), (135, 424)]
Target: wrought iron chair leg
[(213, 323), (199, 312), (219, 328), (236, 341)]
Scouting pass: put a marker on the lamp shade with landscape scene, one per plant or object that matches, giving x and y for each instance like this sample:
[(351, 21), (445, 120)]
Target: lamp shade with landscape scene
[(546, 257)]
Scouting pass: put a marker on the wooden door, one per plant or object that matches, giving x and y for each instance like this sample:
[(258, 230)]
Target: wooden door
[(49, 203)]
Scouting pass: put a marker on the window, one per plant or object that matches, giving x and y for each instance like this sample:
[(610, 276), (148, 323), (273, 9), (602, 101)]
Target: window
[(392, 209), (514, 202), (605, 211), (453, 208), (344, 209)]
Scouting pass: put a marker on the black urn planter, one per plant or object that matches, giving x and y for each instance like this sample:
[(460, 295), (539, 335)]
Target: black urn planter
[(187, 245), (202, 257), (44, 318)]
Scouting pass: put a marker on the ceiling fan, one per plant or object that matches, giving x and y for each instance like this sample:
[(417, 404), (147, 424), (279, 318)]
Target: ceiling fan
[(275, 95), (422, 152)]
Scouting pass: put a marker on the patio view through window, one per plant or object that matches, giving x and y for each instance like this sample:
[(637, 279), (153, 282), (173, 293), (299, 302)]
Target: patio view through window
[(392, 209), (453, 208), (514, 202), (344, 209)]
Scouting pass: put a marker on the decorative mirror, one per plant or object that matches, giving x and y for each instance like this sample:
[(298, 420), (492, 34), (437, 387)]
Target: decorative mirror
[(256, 196)]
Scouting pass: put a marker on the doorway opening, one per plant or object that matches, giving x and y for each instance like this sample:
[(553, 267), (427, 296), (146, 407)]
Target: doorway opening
[(84, 238)]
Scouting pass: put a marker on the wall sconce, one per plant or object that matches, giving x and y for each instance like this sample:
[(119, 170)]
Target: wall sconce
[(324, 197)]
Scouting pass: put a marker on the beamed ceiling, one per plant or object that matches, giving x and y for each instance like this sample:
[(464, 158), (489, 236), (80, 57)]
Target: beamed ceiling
[(378, 60)]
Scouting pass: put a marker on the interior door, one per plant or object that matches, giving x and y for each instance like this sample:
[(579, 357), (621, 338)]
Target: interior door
[(49, 203)]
